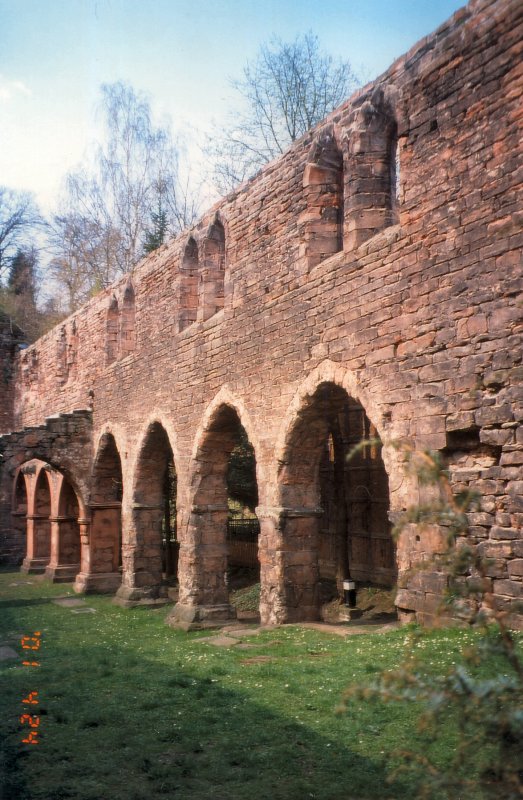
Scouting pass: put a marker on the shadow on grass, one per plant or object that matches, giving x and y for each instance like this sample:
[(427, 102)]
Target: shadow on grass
[(113, 731), (120, 724), (5, 604)]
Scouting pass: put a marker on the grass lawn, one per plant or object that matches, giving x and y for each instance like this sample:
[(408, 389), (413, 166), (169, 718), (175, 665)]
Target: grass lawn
[(131, 709)]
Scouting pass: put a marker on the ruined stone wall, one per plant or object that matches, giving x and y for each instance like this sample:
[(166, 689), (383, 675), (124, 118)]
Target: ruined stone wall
[(62, 441), (418, 317)]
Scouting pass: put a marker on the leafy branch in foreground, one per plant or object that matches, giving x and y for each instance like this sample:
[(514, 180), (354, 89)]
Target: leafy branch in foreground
[(479, 701)]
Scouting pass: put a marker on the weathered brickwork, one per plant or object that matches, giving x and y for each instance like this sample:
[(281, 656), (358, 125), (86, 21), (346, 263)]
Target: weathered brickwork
[(331, 288)]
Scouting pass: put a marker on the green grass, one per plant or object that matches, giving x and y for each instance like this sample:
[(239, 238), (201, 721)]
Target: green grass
[(131, 709)]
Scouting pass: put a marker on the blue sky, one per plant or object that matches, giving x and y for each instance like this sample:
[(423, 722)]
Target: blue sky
[(54, 54)]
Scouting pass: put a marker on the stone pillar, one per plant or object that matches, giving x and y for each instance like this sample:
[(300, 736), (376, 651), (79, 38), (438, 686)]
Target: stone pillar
[(60, 569), (202, 570), (142, 580), (289, 570), (84, 525), (99, 542), (38, 544)]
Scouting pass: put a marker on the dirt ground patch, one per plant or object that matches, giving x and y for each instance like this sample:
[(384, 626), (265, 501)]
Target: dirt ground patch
[(374, 604)]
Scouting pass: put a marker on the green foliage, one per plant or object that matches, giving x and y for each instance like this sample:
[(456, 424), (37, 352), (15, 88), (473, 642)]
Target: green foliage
[(246, 599), (18, 296), (241, 473), (155, 236), (481, 695)]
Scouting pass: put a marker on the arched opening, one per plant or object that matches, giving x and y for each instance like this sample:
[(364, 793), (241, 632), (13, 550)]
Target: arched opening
[(72, 350), (213, 273), (153, 554), (69, 537), (105, 506), (322, 220), (39, 525), (373, 164), (127, 315), (64, 563), (223, 528), (111, 331), (61, 355), (336, 508), (394, 173), (19, 516), (189, 285), (243, 527)]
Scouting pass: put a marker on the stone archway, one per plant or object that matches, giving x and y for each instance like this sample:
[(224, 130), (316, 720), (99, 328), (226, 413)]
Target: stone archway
[(333, 518), (204, 556), (64, 562), (38, 517), (148, 553), (102, 557), (19, 512)]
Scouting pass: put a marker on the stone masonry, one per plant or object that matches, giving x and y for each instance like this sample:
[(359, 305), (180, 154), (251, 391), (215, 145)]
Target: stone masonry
[(367, 282)]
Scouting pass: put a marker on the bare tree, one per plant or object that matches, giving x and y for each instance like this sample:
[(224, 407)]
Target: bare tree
[(288, 89), (85, 254), (102, 227), (18, 218)]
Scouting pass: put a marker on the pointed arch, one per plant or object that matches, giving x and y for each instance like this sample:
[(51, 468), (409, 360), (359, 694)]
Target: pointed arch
[(322, 221), (19, 502), (226, 397), (334, 511), (222, 526), (38, 516), (64, 563), (111, 331), (71, 350), (61, 354), (189, 275), (326, 372), (126, 331), (374, 165), (19, 509), (212, 277), (150, 545), (105, 504)]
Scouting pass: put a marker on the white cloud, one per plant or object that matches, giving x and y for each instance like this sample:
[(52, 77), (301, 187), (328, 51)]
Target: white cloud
[(10, 88)]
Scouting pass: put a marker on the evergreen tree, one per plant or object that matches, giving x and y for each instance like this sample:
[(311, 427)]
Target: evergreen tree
[(155, 236), (18, 298), (21, 281)]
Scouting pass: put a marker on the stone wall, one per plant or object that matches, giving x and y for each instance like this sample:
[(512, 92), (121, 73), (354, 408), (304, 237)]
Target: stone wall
[(329, 268), (62, 442)]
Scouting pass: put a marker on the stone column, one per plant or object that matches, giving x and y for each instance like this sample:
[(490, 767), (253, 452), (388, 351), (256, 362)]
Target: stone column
[(99, 558), (202, 570), (288, 549), (142, 580), (38, 544)]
